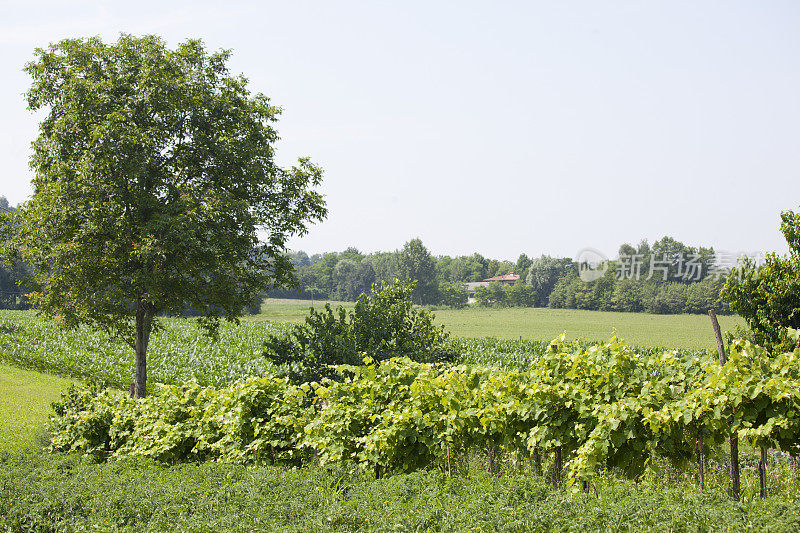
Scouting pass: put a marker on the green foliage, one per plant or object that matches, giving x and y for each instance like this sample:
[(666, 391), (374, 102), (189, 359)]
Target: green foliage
[(602, 406), (154, 173), (668, 299), (12, 271), (382, 324), (352, 279), (497, 294), (543, 274), (636, 295), (454, 295), (768, 296), (679, 281), (67, 493), (179, 352), (259, 420), (414, 262), (520, 295), (493, 294)]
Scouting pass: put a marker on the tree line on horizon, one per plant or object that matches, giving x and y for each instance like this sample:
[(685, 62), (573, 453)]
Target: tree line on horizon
[(669, 288), (545, 281)]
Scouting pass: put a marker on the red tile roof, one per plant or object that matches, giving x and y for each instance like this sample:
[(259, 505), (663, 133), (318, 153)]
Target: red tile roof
[(507, 277)]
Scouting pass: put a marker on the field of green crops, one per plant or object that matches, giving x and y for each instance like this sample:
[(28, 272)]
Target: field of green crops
[(180, 352), (544, 324)]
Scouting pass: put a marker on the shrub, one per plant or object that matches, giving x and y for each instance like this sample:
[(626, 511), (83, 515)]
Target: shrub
[(382, 325), (259, 420)]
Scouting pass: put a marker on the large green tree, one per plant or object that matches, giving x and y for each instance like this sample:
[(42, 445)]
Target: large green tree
[(154, 178), (414, 262), (543, 274), (768, 296)]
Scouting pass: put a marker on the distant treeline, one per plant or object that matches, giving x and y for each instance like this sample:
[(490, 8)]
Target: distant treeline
[(665, 278), (12, 296)]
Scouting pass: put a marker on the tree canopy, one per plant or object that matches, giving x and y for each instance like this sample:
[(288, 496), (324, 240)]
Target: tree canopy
[(768, 296), (155, 188)]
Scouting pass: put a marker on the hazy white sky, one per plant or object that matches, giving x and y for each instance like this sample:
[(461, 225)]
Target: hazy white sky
[(498, 127)]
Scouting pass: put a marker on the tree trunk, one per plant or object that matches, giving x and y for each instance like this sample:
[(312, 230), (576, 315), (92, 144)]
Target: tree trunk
[(144, 325)]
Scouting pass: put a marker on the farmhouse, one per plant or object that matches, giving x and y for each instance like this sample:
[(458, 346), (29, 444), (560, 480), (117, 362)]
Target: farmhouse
[(507, 279)]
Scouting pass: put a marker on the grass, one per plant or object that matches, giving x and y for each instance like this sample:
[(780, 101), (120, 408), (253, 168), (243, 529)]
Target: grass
[(25, 398), (544, 324), (294, 311), (641, 329), (56, 492)]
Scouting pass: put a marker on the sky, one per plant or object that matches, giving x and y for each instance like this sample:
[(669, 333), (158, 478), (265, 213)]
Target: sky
[(496, 127)]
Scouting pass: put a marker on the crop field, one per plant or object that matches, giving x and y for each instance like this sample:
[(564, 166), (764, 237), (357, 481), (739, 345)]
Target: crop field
[(544, 324), (180, 352)]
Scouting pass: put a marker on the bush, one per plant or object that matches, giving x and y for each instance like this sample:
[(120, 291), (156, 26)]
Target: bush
[(259, 420), (382, 325)]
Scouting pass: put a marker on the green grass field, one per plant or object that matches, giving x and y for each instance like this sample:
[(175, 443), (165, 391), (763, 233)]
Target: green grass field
[(25, 398), (280, 310), (544, 324), (671, 331)]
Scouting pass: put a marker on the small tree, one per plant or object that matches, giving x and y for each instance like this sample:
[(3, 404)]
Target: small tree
[(454, 294), (154, 174), (768, 296)]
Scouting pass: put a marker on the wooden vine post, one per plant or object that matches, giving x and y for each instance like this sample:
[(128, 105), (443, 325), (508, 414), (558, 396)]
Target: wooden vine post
[(537, 462), (734, 440), (700, 459), (762, 471), (557, 466), (490, 452), (556, 476)]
